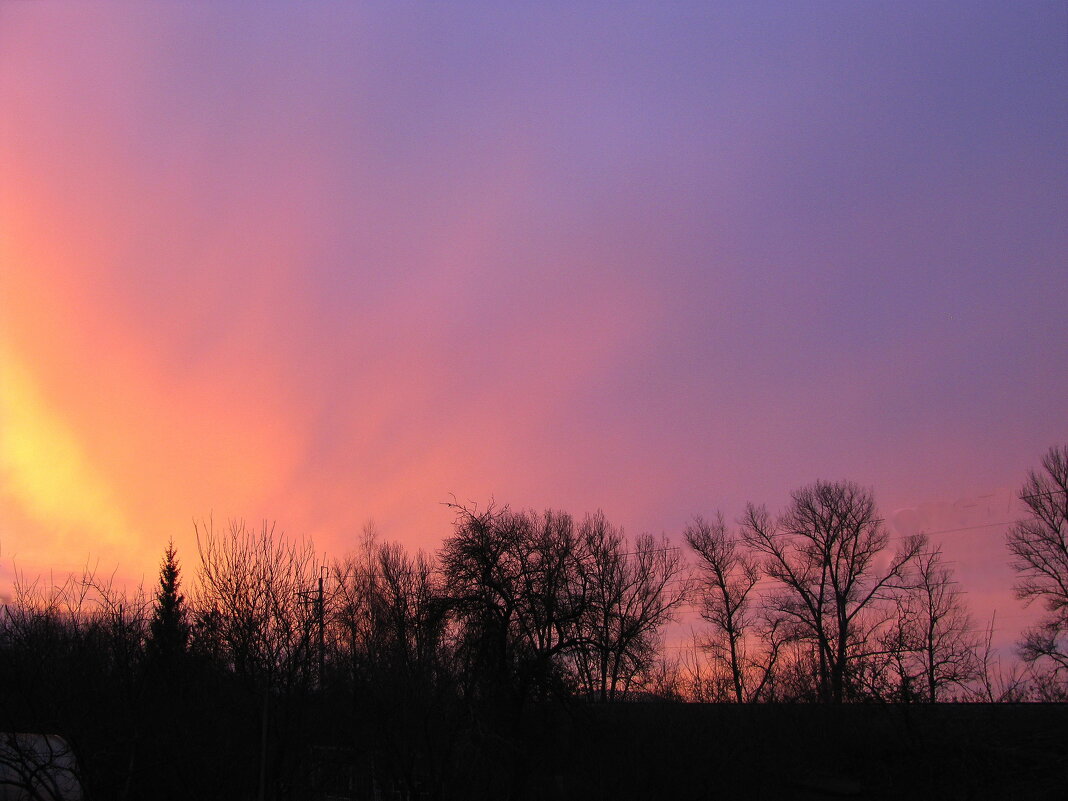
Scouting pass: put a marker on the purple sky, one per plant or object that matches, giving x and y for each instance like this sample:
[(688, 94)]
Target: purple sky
[(323, 263)]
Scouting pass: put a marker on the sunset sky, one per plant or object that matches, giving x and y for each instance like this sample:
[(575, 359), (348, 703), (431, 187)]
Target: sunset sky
[(332, 262)]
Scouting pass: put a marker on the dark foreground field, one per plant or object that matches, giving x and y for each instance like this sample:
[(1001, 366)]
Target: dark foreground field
[(577, 751), (693, 751)]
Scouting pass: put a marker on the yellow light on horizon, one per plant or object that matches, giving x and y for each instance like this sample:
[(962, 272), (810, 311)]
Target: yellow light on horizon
[(45, 469)]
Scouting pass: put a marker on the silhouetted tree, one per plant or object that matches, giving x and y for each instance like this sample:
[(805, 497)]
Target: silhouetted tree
[(169, 629), (256, 600), (481, 582), (997, 682), (261, 587), (516, 580), (824, 551), (72, 658), (630, 595), (743, 641), (1039, 547), (387, 628), (38, 767), (931, 647)]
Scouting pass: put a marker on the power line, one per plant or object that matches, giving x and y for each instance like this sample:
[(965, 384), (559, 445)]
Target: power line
[(1044, 494), (972, 528)]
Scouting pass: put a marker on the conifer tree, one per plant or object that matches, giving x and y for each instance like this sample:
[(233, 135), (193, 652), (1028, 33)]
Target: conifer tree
[(169, 632)]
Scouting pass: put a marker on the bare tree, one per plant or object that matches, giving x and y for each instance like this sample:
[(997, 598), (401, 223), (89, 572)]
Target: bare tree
[(825, 552), (697, 683), (386, 633), (259, 588), (932, 646), (386, 609), (38, 767), (72, 663), (1039, 547), (631, 595), (744, 641), (517, 583), (256, 600), (996, 682)]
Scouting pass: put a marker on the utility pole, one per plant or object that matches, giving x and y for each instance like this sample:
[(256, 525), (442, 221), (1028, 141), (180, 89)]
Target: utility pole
[(322, 624)]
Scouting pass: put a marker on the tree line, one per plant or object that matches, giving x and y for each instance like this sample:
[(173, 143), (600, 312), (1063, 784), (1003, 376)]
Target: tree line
[(281, 677)]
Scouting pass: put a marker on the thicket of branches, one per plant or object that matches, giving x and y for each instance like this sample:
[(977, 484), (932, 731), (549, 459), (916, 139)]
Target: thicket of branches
[(411, 673)]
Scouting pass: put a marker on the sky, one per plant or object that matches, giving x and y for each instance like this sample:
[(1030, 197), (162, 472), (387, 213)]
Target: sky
[(327, 263)]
